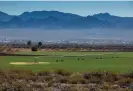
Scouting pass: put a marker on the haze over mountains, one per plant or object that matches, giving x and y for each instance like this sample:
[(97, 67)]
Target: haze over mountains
[(59, 20), (55, 25)]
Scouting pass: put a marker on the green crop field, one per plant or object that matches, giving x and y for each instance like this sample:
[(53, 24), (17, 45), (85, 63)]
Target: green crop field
[(73, 61)]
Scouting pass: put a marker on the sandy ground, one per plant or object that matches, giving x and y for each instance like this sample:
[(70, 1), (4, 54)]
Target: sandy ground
[(28, 63), (29, 50)]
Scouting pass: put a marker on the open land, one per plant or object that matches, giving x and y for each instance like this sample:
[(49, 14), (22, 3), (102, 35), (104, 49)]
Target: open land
[(66, 71), (72, 61)]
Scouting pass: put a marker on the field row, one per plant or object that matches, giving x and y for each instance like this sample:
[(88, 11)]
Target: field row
[(72, 61)]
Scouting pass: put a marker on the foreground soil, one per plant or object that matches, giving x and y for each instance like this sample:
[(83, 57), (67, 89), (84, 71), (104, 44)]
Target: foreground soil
[(61, 80)]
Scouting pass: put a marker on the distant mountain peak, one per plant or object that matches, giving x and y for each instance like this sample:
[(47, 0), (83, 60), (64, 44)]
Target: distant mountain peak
[(25, 13), (39, 12), (102, 14), (56, 19), (4, 16), (45, 14), (3, 13), (105, 13)]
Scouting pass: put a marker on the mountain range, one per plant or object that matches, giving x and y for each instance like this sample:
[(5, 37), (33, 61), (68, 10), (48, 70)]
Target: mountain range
[(61, 20)]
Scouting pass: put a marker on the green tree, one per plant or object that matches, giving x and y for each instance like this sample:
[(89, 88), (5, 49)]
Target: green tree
[(34, 48), (39, 44), (29, 43)]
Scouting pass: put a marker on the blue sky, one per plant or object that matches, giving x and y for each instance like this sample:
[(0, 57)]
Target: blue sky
[(84, 8)]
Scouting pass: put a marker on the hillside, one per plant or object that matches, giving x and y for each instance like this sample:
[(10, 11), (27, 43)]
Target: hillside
[(60, 20)]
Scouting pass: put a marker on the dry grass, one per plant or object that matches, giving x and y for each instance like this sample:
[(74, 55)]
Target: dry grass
[(26, 80)]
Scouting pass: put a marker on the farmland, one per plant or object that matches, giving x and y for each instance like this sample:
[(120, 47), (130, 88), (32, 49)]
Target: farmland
[(66, 71), (72, 61)]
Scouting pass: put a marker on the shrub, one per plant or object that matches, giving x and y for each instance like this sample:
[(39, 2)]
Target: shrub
[(48, 78), (44, 73), (63, 72), (63, 80), (19, 86), (106, 86), (30, 77), (93, 74), (50, 83), (77, 79), (125, 81), (74, 89), (86, 75), (2, 77), (111, 77), (34, 48), (130, 74), (22, 80), (95, 80)]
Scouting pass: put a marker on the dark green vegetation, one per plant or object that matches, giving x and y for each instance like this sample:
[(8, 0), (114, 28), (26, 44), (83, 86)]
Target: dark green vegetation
[(62, 80), (73, 61)]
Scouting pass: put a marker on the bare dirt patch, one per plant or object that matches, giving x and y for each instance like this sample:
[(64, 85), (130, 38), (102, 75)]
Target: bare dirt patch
[(28, 63)]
